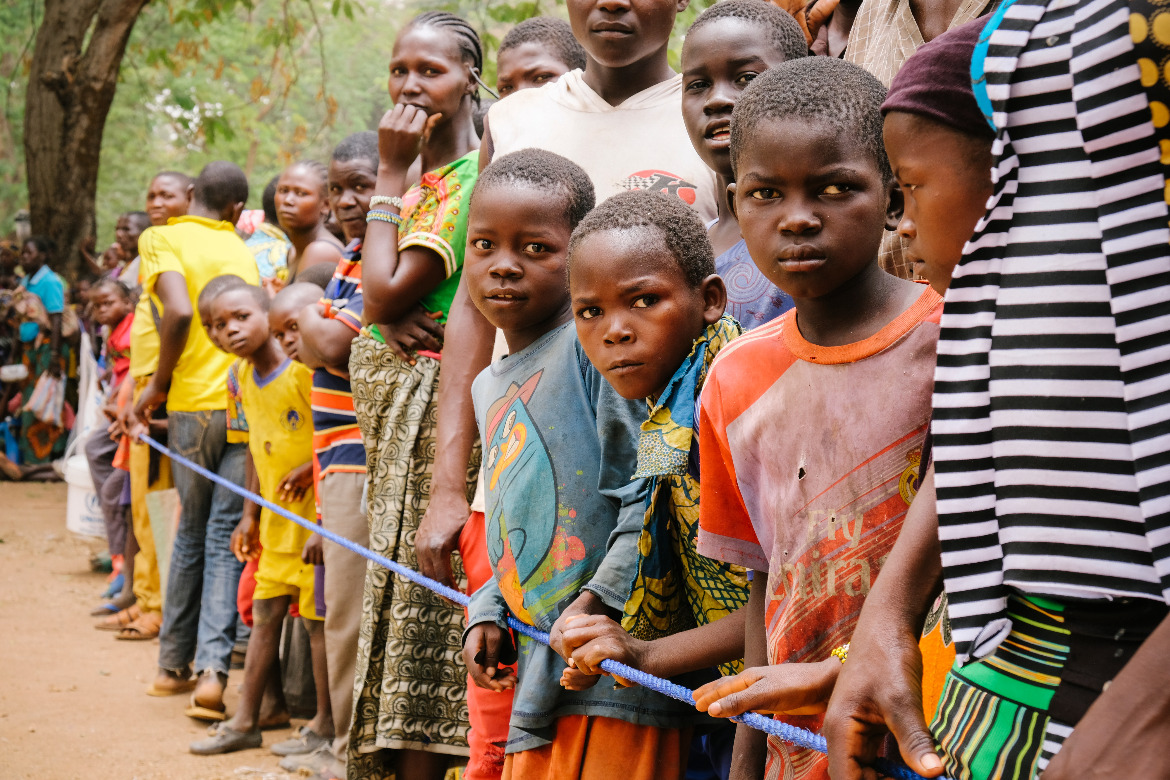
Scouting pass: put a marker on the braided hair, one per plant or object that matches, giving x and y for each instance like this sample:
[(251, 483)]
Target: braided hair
[(466, 38)]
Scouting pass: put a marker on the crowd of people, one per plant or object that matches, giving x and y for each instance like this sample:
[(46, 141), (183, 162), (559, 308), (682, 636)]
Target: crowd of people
[(828, 377)]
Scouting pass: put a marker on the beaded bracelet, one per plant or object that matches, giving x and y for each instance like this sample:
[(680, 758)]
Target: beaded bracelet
[(389, 200), (841, 653), (378, 215)]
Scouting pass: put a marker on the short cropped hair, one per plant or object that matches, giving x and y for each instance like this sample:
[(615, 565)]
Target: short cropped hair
[(554, 34), (117, 285), (221, 185), (139, 219), (183, 179), (359, 146), (215, 286), (781, 28), (318, 274), (817, 89), (258, 293), (301, 294), (542, 170), (682, 230), (268, 201)]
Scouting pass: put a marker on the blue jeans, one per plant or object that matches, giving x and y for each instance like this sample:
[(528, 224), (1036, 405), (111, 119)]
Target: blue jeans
[(199, 611)]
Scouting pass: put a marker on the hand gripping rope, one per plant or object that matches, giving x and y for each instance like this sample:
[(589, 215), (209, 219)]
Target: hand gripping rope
[(788, 733)]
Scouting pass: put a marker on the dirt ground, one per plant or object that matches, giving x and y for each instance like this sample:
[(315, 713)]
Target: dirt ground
[(72, 701)]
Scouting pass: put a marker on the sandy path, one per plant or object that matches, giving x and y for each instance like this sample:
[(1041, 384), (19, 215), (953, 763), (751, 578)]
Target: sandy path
[(71, 698)]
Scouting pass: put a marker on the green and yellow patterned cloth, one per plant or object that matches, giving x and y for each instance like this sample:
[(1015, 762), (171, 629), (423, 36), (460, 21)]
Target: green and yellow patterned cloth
[(676, 588)]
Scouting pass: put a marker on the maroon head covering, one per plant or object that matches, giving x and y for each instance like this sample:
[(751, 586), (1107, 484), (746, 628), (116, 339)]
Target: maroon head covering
[(936, 82)]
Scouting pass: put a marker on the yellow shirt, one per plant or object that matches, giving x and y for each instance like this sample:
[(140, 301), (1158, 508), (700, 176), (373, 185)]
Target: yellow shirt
[(280, 438), (199, 249)]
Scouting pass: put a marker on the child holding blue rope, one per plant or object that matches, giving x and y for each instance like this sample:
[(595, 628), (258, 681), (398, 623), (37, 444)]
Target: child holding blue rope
[(563, 515)]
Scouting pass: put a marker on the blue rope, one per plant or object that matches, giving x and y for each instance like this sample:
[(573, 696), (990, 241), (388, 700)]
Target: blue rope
[(786, 732)]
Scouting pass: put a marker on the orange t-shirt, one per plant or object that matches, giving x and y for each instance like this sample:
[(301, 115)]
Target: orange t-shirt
[(809, 458)]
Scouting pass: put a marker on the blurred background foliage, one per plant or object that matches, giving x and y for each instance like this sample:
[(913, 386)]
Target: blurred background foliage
[(259, 82)]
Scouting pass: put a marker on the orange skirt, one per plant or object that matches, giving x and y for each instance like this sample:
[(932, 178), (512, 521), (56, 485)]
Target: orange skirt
[(598, 748)]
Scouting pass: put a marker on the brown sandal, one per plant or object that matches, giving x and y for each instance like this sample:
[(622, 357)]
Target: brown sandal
[(119, 620), (145, 627)]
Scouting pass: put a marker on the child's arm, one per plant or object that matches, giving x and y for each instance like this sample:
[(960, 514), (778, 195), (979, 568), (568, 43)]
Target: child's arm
[(751, 746), (880, 688), (487, 643), (468, 352), (296, 483), (619, 424), (324, 342), (245, 543), (313, 552), (593, 638)]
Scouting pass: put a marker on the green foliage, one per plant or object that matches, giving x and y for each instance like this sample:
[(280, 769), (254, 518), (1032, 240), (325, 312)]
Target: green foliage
[(260, 82)]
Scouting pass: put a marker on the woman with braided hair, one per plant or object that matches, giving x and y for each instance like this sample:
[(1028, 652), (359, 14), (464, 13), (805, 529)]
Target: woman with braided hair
[(410, 689)]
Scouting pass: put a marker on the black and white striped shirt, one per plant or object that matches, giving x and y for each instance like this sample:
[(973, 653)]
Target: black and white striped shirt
[(1052, 396)]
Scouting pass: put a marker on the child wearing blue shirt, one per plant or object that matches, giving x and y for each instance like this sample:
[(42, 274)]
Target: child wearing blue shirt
[(563, 516)]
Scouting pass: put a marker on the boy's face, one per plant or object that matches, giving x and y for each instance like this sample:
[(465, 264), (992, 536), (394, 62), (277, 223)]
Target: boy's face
[(718, 61), (636, 314), (299, 204), (526, 66), (282, 323), (517, 247), (945, 177), (618, 33), (238, 322), (109, 307), (166, 198), (811, 205), (351, 185)]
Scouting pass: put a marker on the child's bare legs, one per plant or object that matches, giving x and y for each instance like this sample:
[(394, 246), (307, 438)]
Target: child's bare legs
[(421, 765), (322, 722), (129, 550), (267, 618), (273, 707)]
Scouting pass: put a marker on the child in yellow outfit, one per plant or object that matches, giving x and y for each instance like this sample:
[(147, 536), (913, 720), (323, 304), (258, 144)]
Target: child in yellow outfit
[(274, 395)]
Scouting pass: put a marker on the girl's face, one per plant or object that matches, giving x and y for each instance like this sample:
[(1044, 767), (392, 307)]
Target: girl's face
[(945, 178), (31, 258), (427, 70), (300, 198), (719, 60)]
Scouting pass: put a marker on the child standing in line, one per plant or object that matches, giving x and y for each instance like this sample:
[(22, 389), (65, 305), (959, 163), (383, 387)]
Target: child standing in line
[(1039, 520), (274, 391), (563, 515), (760, 36), (649, 313), (536, 52), (113, 310), (619, 120), (807, 467)]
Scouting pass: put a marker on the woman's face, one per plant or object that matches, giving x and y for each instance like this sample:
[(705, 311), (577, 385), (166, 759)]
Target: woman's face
[(300, 198), (31, 258), (427, 70)]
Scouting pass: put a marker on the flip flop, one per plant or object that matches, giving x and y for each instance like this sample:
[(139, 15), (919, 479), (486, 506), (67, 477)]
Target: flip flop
[(146, 627), (105, 610), (120, 620), (227, 740), (199, 712)]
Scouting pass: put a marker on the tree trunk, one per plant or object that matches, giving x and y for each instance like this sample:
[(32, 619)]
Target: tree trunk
[(74, 74)]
